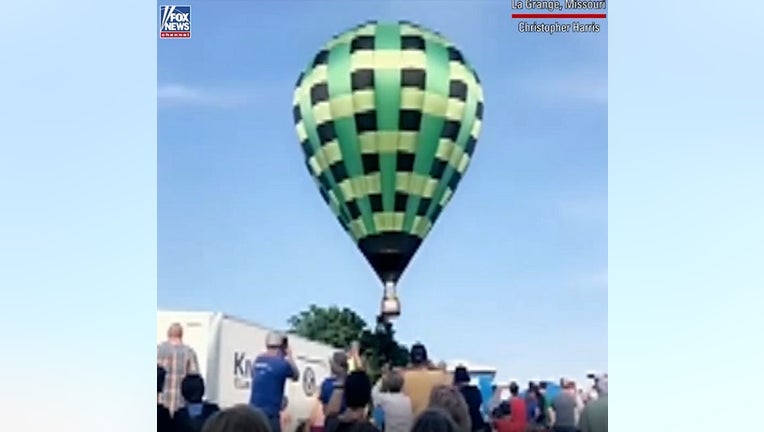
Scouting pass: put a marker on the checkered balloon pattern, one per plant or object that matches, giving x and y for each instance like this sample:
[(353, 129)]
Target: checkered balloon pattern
[(388, 116)]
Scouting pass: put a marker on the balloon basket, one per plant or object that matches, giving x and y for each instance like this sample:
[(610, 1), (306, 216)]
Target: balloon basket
[(391, 308)]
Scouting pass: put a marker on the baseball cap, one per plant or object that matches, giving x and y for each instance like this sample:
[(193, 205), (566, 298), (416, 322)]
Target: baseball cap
[(274, 339)]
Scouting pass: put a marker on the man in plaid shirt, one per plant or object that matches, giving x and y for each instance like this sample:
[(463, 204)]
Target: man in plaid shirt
[(178, 360)]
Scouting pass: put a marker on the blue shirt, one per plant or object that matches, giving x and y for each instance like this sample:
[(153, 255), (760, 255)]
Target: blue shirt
[(379, 417), (269, 375), (327, 388), (531, 405)]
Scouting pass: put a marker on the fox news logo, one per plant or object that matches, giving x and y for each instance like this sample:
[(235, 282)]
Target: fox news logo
[(176, 22)]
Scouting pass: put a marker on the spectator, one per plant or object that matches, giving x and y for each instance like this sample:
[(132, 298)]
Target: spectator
[(531, 403), (544, 405), (434, 420), (336, 403), (472, 396), (178, 360), (448, 398), (241, 418), (330, 400), (164, 419), (269, 374), (338, 370), (564, 406), (357, 392), (196, 411), (516, 419), (594, 415), (591, 395), (397, 413), (419, 379)]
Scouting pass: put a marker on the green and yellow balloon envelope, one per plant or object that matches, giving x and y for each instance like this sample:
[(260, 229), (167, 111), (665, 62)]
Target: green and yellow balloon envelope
[(388, 115)]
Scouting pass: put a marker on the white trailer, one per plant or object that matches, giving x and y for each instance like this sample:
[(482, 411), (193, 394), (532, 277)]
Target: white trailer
[(226, 348)]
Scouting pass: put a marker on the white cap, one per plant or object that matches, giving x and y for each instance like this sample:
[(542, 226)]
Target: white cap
[(274, 339)]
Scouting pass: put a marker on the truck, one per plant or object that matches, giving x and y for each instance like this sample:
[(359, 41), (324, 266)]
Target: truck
[(226, 348)]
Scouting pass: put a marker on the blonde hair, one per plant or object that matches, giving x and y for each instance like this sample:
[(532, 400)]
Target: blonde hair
[(240, 418), (449, 399), (175, 331)]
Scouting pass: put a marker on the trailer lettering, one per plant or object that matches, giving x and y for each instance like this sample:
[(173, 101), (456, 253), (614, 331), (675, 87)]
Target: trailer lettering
[(242, 371), (242, 366), (241, 383)]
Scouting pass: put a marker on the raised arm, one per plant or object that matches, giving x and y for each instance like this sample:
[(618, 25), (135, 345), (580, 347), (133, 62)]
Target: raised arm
[(376, 393)]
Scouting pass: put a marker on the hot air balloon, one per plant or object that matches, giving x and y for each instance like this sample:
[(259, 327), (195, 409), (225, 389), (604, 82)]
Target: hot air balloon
[(388, 115)]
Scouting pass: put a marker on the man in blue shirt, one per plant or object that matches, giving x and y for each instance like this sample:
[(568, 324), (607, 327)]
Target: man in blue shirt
[(269, 374)]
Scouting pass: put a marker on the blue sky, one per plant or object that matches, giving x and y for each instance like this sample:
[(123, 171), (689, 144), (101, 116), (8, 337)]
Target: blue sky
[(514, 274)]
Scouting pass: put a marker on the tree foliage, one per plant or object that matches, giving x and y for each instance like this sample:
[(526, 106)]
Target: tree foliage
[(339, 327), (330, 325)]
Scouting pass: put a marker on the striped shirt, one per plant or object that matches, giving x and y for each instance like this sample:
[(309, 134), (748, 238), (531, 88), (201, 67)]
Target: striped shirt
[(178, 360)]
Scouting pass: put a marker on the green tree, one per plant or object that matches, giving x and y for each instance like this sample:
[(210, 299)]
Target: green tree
[(330, 325), (339, 327), (380, 348)]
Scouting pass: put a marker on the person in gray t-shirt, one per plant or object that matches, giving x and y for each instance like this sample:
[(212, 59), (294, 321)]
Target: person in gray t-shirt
[(398, 412), (564, 407)]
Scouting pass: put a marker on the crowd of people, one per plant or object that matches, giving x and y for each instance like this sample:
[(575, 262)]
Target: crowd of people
[(421, 397)]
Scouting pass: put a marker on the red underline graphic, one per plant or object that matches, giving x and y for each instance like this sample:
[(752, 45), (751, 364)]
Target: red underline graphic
[(560, 16)]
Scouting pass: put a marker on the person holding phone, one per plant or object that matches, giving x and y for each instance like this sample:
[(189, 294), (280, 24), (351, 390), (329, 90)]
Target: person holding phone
[(270, 371)]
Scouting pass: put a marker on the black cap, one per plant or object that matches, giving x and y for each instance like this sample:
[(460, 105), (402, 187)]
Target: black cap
[(461, 375), (418, 354)]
